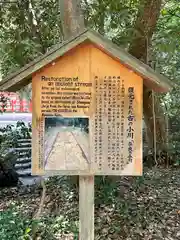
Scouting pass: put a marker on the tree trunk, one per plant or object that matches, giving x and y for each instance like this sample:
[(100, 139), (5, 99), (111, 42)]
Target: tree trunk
[(144, 27), (72, 19)]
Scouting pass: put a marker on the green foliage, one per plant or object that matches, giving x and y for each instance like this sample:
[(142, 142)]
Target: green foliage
[(8, 141), (27, 29), (30, 28), (53, 227), (166, 48), (3, 103), (13, 225), (113, 18), (106, 188), (11, 133)]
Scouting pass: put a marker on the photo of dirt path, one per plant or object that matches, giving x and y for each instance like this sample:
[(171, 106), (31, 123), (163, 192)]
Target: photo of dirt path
[(66, 144)]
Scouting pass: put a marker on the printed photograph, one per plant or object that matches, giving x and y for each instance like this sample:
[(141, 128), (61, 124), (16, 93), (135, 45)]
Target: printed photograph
[(66, 143)]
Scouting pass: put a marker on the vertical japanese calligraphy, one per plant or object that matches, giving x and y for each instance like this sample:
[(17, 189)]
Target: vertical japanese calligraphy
[(109, 124), (131, 119), (122, 119)]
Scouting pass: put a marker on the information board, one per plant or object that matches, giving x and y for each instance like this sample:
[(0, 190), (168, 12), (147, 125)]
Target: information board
[(87, 116)]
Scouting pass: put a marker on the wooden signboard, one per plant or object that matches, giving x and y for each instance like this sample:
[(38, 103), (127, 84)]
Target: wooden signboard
[(87, 116), (87, 113)]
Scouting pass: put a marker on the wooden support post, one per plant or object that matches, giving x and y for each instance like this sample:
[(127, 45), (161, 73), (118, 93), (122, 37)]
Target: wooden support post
[(86, 207)]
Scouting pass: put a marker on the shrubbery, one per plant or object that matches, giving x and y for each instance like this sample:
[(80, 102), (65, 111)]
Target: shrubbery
[(8, 141)]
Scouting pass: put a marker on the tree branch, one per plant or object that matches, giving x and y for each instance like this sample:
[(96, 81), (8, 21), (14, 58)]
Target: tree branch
[(38, 214)]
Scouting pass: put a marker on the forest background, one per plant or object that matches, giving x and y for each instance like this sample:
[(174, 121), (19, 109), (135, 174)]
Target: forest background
[(149, 30)]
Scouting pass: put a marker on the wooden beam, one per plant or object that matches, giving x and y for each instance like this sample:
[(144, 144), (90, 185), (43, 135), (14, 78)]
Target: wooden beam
[(50, 173), (86, 208)]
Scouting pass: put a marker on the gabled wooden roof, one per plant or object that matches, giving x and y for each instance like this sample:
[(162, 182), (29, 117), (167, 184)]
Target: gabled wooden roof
[(152, 79)]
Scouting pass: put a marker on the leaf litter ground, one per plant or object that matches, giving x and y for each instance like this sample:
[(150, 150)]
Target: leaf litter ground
[(136, 208)]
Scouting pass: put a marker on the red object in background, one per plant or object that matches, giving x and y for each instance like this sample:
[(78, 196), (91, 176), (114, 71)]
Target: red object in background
[(30, 106), (14, 104)]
